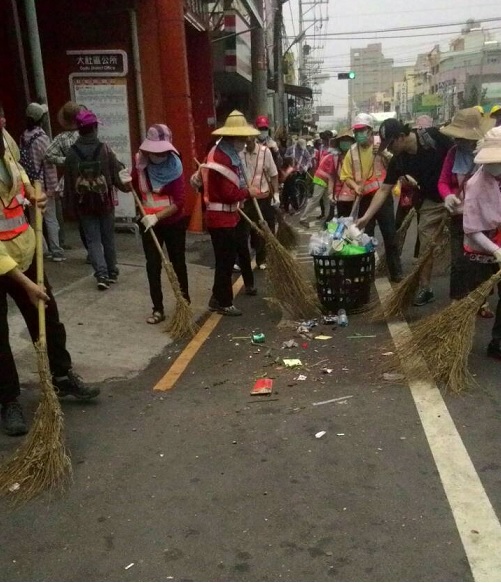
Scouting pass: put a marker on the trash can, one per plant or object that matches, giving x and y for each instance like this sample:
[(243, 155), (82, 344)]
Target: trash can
[(344, 281)]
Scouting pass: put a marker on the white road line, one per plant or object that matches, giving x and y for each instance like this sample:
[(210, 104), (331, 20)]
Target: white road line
[(476, 520)]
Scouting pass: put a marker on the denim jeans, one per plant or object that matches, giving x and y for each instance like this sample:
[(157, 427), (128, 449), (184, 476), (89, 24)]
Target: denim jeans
[(100, 237), (52, 225), (320, 193)]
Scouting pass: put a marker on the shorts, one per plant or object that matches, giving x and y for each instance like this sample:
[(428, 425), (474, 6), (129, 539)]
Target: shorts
[(431, 214)]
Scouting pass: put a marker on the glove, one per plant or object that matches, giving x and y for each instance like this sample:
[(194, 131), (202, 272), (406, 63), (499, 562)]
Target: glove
[(452, 203), (149, 221), (275, 200), (125, 177), (196, 181), (497, 254)]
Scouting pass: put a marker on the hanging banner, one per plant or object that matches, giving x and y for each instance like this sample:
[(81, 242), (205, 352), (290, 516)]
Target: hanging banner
[(107, 98)]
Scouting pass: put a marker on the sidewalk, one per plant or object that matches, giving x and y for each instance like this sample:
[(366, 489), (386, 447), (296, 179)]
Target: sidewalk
[(108, 336)]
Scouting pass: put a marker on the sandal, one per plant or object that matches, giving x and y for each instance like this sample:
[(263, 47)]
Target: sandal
[(156, 318), (485, 312)]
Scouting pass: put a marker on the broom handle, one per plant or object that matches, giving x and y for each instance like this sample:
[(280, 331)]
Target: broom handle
[(42, 334), (152, 232)]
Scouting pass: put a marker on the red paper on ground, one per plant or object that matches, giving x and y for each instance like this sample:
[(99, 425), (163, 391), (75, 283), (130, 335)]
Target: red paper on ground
[(262, 387)]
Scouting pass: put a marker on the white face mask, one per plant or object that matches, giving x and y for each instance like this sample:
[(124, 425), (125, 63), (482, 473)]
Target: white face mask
[(157, 158), (263, 134), (493, 169)]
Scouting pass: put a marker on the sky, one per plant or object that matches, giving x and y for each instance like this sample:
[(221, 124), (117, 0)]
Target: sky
[(368, 15)]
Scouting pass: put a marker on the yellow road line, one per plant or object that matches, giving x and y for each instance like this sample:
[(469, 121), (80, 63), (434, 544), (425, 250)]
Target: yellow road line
[(171, 377)]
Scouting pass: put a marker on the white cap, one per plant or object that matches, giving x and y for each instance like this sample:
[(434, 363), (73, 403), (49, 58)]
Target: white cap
[(36, 111), (363, 120)]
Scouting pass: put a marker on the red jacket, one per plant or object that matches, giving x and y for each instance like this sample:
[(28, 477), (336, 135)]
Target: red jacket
[(222, 190), (174, 189)]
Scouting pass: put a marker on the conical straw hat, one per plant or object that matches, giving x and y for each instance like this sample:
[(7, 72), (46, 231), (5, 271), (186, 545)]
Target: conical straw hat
[(468, 124), (236, 125)]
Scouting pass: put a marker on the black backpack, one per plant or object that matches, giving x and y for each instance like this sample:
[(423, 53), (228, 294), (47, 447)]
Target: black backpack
[(91, 185)]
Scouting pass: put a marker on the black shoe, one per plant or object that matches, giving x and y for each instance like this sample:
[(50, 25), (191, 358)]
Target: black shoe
[(397, 278), (250, 291), (229, 311), (424, 296), (103, 283), (72, 384), (113, 277), (213, 304), (494, 349), (13, 419)]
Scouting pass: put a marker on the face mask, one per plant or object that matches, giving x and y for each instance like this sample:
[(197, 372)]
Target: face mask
[(344, 146), (362, 137), (263, 134), (465, 145), (239, 145), (157, 158), (493, 169)]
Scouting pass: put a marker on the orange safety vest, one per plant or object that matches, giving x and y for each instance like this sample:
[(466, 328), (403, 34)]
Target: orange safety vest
[(257, 178), (152, 201), (227, 173), (372, 183), (12, 218)]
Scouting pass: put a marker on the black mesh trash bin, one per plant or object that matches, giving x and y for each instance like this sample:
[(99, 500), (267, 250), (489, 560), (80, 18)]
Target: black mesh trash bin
[(344, 281)]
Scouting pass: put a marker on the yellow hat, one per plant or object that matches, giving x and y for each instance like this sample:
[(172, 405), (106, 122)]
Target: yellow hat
[(495, 109), (236, 125), (479, 108), (468, 124)]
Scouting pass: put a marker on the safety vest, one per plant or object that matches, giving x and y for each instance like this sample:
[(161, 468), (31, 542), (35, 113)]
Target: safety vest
[(12, 218), (228, 173), (259, 173), (377, 173), (322, 173), (152, 201)]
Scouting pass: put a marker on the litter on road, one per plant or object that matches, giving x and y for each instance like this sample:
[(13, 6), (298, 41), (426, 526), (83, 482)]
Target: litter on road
[(393, 376), (357, 336), (302, 377), (322, 337), (332, 400), (292, 362), (129, 566), (262, 387), (320, 434), (290, 344)]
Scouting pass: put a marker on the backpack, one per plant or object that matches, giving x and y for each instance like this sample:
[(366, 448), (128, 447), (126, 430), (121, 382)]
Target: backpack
[(26, 157), (90, 184)]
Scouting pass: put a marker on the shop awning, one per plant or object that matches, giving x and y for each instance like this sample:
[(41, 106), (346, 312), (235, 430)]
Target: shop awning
[(299, 91)]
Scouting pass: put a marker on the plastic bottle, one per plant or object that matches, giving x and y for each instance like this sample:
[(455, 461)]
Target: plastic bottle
[(342, 318)]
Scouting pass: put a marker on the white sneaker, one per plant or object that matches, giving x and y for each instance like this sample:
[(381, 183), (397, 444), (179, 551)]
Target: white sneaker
[(236, 268)]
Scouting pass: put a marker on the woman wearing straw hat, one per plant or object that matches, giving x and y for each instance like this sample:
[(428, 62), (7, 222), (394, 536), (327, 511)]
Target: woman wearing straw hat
[(482, 220), (225, 186), (466, 127), (158, 179)]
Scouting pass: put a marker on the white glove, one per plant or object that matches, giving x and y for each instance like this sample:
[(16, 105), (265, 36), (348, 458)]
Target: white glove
[(497, 254), (452, 203), (149, 221), (275, 200), (125, 177)]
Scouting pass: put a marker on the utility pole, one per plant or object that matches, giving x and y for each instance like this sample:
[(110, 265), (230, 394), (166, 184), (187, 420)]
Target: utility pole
[(259, 72), (278, 66), (300, 67)]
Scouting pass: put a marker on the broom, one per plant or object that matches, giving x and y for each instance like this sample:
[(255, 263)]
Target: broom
[(41, 462), (181, 324), (445, 339), (292, 291), (400, 298)]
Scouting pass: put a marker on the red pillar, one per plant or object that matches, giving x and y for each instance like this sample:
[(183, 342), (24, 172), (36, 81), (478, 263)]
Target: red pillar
[(166, 86)]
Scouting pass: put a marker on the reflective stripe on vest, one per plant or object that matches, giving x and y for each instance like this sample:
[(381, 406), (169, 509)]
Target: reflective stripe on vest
[(376, 177), (257, 176), (227, 173), (323, 174), (12, 219), (152, 201)]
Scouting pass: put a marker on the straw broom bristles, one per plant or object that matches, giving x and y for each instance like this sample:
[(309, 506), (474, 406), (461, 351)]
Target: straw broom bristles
[(445, 339), (181, 324), (400, 298), (286, 234), (41, 462), (288, 286)]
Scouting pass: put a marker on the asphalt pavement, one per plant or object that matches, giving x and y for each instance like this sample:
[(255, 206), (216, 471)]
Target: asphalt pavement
[(208, 483)]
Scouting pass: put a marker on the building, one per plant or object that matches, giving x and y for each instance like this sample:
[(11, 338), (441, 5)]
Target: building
[(375, 75)]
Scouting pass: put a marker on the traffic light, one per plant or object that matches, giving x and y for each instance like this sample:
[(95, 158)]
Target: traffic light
[(349, 75)]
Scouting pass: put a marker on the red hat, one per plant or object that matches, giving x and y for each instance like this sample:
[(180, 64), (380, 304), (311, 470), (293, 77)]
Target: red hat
[(262, 122)]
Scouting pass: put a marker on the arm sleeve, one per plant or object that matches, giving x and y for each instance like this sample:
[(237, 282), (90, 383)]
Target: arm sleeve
[(39, 148), (445, 186), (483, 241), (177, 192), (115, 167), (269, 164), (54, 153), (392, 174), (6, 262)]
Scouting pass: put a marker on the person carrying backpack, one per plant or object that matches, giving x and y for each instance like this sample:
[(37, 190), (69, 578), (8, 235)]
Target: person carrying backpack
[(33, 147), (91, 170)]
